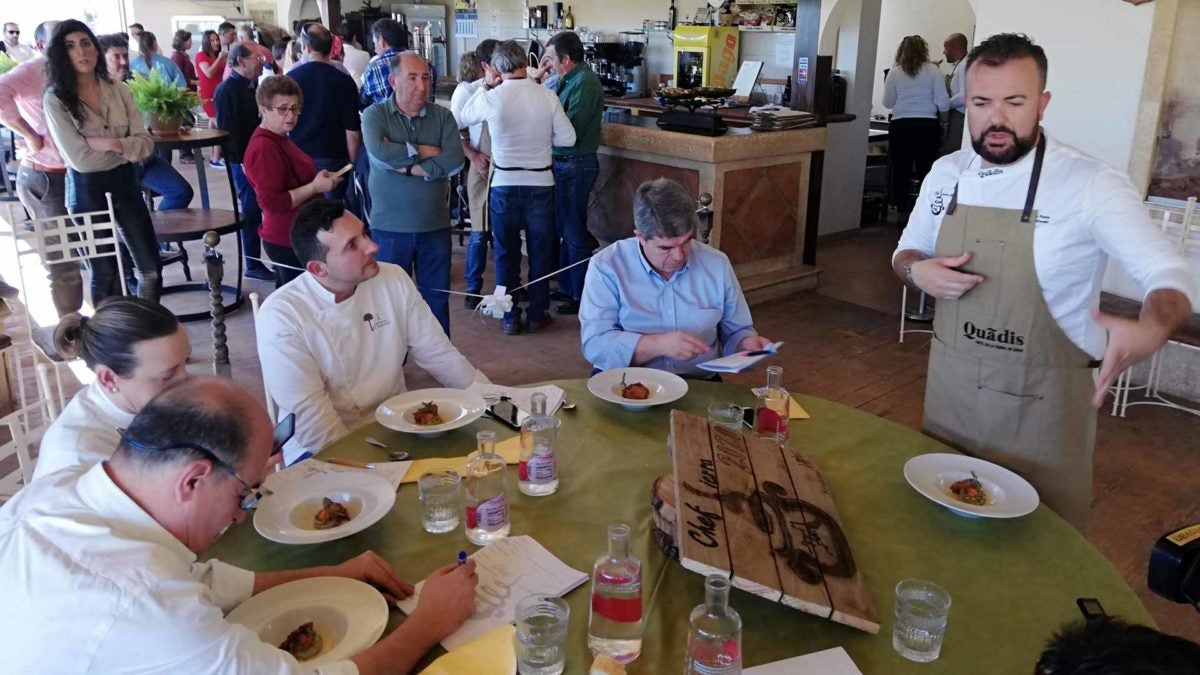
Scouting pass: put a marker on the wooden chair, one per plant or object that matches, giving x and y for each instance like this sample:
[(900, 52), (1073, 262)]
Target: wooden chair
[(26, 426), (39, 241)]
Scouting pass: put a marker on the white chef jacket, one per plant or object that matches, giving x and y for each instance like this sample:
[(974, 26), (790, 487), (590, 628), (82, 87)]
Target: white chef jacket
[(93, 584), (958, 84), (462, 94), (84, 434), (1086, 213), (525, 120), (333, 363)]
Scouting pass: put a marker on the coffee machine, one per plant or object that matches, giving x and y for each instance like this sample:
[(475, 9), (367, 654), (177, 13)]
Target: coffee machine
[(620, 67)]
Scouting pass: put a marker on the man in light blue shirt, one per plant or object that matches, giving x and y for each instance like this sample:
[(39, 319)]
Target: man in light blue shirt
[(661, 300)]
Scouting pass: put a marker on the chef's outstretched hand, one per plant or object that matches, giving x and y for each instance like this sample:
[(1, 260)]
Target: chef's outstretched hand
[(1131, 340), (940, 277)]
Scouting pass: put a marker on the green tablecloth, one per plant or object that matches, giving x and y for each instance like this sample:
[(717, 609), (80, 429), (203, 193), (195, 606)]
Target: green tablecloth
[(1013, 582)]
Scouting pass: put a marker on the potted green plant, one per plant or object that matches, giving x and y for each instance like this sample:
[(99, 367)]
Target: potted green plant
[(164, 104)]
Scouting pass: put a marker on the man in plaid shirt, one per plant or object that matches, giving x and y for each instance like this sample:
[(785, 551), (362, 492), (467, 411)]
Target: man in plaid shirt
[(391, 38)]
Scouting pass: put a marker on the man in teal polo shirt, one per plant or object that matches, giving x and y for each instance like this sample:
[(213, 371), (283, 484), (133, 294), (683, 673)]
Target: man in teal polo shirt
[(575, 167), (414, 150)]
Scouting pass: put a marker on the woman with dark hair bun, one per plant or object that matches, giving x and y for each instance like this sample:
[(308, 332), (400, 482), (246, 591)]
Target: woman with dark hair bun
[(136, 348), (101, 136)]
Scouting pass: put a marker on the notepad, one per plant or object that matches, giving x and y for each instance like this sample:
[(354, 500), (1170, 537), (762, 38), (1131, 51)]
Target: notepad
[(736, 363), (828, 662), (509, 570)]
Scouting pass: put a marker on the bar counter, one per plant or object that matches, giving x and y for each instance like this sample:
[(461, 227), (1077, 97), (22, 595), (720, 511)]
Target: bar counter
[(760, 182)]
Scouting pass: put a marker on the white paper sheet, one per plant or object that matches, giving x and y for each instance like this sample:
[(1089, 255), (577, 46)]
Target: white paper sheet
[(508, 570), (736, 363), (829, 662), (301, 471), (522, 397), (746, 77)]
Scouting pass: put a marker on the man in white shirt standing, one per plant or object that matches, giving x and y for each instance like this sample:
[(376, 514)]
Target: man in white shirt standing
[(1012, 236), (525, 120), (334, 341), (477, 145), (107, 557), (955, 50)]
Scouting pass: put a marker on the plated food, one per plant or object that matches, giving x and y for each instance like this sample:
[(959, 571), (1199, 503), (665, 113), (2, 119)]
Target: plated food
[(304, 643), (969, 491), (331, 515), (426, 415), (636, 391)]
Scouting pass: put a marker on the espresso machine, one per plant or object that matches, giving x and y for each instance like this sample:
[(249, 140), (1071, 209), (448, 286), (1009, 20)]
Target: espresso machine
[(620, 67), (427, 23)]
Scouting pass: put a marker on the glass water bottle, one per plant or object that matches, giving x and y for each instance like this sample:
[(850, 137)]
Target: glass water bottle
[(714, 645), (771, 409), (615, 620), (487, 493), (538, 471)]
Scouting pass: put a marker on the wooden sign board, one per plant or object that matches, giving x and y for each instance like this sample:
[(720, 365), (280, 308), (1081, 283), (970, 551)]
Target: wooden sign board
[(761, 514)]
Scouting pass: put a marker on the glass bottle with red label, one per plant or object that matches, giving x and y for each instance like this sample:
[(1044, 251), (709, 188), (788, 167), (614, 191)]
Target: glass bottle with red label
[(771, 409), (538, 471), (714, 645), (615, 620), (486, 493)]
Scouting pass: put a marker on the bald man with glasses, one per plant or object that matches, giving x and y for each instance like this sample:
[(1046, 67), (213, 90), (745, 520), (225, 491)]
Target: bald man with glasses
[(108, 556)]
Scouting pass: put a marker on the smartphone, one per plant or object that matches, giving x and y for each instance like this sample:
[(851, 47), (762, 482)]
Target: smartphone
[(1090, 608), (343, 170), (284, 432), (506, 413)]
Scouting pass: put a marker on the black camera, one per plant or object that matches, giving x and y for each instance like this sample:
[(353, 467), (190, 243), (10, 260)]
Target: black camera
[(1175, 566)]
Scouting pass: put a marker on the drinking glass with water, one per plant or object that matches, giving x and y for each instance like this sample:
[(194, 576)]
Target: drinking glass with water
[(541, 635), (440, 494), (922, 610)]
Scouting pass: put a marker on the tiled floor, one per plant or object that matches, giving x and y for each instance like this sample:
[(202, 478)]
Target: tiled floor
[(842, 346)]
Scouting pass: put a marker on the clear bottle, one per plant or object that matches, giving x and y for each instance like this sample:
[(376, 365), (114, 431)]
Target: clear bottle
[(714, 645), (771, 409), (569, 19), (538, 471), (487, 493), (615, 619)]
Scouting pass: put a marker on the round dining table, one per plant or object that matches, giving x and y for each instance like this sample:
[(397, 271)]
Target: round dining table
[(1013, 583)]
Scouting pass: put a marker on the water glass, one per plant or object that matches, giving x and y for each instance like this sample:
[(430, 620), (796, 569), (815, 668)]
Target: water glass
[(441, 494), (725, 414), (922, 609), (541, 635)]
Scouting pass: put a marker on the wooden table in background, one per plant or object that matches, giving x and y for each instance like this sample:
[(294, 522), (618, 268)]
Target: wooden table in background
[(194, 141)]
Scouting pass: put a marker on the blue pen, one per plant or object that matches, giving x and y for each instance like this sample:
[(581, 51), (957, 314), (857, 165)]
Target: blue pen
[(462, 557)]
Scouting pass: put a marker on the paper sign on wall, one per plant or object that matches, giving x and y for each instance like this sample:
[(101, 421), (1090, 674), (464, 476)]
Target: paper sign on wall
[(784, 50)]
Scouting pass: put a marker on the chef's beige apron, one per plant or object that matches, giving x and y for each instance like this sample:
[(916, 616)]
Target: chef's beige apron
[(1005, 383), (478, 186)]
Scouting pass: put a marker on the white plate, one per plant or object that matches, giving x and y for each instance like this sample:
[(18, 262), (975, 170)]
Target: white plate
[(349, 615), (457, 407), (664, 387), (1008, 495), (287, 515)]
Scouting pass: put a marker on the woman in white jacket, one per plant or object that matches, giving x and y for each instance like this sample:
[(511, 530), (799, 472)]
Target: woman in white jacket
[(916, 93), (136, 348)]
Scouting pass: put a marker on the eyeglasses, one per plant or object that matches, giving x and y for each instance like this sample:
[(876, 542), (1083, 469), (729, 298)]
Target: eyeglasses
[(251, 494), (283, 110)]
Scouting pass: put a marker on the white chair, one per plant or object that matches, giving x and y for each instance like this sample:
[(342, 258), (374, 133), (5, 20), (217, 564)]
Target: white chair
[(904, 315), (26, 426), (10, 361), (41, 241), (255, 300), (1183, 228)]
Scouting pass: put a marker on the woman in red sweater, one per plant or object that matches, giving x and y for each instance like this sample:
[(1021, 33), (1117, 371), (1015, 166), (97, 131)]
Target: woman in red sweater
[(283, 177)]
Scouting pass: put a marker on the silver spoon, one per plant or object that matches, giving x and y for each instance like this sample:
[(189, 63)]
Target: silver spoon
[(394, 455), (565, 405)]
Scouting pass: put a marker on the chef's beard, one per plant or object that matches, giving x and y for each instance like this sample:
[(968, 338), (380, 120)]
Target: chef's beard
[(1019, 148)]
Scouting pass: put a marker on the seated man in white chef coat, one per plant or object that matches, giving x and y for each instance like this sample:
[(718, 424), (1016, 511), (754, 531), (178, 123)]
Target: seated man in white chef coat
[(333, 342), (99, 564)]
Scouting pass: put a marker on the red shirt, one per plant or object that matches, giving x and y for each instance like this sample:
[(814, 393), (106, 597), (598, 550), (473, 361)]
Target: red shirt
[(274, 165), (185, 66), (208, 85)]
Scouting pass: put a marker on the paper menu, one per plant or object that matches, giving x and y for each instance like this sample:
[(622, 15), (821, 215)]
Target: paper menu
[(508, 570), (736, 363), (394, 472), (522, 397), (828, 662)]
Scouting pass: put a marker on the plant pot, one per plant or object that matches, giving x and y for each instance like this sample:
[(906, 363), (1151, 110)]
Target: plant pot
[(164, 126)]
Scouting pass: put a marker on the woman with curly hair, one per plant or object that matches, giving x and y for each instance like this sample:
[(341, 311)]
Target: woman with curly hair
[(102, 138), (915, 91)]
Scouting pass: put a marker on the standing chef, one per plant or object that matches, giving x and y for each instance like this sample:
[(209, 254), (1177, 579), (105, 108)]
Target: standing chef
[(1012, 237)]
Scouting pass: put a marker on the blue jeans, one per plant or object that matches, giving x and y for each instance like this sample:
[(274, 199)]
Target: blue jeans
[(476, 260), (251, 217), (429, 253), (574, 178), (85, 193), (159, 176), (517, 207), (338, 193)]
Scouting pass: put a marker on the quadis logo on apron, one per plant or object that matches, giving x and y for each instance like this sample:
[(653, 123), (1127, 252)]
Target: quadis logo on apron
[(1006, 339)]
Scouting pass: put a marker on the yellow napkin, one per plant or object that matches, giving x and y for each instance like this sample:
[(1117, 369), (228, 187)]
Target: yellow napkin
[(509, 449), (796, 411), (489, 654)]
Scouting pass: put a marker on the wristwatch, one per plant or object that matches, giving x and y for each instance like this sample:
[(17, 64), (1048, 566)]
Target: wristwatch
[(408, 172)]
